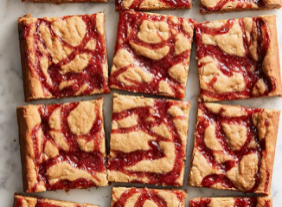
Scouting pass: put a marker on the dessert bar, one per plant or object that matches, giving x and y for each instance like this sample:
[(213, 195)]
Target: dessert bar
[(63, 56), (26, 201), (148, 140), (238, 59), (234, 148), (153, 4), (231, 202), (152, 54), (62, 146), (122, 197), (217, 6)]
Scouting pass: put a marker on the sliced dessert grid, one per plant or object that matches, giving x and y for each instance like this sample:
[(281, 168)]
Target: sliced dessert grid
[(152, 4), (238, 59), (234, 148), (148, 140), (208, 6), (231, 202), (62, 146), (152, 54), (26, 201), (63, 56), (122, 197)]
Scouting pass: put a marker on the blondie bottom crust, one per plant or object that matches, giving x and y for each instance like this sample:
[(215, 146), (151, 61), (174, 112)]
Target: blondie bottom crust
[(238, 59), (211, 6), (152, 54), (62, 146), (234, 148), (26, 201), (231, 202), (148, 140), (153, 4), (122, 197), (63, 56)]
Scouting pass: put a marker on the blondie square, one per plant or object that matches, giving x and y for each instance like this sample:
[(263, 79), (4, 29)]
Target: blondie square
[(152, 54), (238, 59), (148, 140), (62, 146), (234, 148), (63, 56)]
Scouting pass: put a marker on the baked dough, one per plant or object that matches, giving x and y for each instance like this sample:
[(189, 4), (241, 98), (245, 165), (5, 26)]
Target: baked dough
[(56, 54), (234, 148), (152, 54)]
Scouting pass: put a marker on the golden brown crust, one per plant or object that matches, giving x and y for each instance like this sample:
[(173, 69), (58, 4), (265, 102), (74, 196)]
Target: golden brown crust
[(147, 5), (80, 121), (154, 7), (272, 117), (163, 135), (172, 198), (264, 200), (105, 66), (231, 201), (215, 83), (208, 6), (27, 201), (27, 77), (38, 84), (235, 124), (159, 9), (271, 63), (26, 115)]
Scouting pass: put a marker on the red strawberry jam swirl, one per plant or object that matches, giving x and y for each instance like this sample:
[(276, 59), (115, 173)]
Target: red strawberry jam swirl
[(128, 32), (239, 202), (136, 4), (250, 69), (91, 162), (252, 134), (122, 160), (146, 194), (92, 75), (241, 4)]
